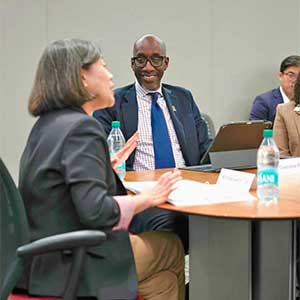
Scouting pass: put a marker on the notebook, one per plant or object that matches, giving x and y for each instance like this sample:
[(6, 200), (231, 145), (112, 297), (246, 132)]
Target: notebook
[(234, 147)]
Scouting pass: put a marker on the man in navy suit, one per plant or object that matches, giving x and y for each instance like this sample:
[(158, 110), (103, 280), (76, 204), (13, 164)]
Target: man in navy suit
[(187, 131), (264, 105)]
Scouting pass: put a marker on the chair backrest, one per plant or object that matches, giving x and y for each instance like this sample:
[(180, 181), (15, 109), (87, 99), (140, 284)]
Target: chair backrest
[(14, 231), (210, 125)]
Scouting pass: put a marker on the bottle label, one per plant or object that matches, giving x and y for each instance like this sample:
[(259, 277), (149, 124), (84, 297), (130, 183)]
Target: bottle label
[(123, 165), (267, 176)]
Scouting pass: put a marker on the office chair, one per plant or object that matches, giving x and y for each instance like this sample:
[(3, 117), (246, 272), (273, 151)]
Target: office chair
[(15, 245), (210, 125)]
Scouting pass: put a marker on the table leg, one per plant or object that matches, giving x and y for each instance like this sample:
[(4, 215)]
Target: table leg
[(220, 259), (274, 269)]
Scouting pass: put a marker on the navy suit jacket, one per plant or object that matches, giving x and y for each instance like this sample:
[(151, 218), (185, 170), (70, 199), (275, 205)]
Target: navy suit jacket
[(190, 128), (264, 105)]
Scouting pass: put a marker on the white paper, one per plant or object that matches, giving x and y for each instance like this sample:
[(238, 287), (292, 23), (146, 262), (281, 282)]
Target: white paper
[(289, 165), (190, 193), (235, 179)]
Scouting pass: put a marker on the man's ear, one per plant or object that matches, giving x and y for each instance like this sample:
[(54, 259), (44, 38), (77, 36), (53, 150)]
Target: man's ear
[(132, 64), (280, 74)]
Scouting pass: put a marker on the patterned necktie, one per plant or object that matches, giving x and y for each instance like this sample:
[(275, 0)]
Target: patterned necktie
[(163, 154)]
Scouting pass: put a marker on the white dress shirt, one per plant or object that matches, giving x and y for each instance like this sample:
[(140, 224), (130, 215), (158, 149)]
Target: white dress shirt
[(284, 96), (144, 154)]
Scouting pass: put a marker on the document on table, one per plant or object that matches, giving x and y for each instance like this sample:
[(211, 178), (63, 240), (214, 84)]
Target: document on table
[(190, 193), (289, 166)]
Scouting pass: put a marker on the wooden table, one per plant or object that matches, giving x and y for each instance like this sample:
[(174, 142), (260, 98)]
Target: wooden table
[(241, 250)]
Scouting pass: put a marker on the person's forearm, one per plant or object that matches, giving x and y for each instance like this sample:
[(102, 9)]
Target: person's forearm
[(141, 202), (129, 206)]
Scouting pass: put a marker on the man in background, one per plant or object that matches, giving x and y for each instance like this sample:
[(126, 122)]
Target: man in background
[(264, 105), (171, 130)]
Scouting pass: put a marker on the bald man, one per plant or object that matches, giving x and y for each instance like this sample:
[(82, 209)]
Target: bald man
[(186, 131)]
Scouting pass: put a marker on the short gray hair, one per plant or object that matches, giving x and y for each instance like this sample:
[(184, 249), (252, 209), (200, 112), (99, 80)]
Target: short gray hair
[(58, 83)]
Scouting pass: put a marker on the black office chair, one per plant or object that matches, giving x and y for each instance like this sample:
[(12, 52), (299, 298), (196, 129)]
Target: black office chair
[(15, 245)]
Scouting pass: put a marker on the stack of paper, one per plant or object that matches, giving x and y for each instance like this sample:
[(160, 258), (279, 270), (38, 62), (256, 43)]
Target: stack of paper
[(191, 193)]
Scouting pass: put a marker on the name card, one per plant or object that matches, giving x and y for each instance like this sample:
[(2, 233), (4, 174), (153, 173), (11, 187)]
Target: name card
[(289, 165), (238, 180)]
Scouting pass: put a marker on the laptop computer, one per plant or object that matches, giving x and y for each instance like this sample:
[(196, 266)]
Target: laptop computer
[(234, 147)]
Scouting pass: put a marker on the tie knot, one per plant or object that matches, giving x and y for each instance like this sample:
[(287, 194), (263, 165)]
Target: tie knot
[(154, 96)]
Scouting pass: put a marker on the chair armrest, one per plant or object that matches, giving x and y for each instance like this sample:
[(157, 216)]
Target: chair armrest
[(64, 241)]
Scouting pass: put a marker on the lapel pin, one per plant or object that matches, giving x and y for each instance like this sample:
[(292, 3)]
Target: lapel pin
[(173, 108)]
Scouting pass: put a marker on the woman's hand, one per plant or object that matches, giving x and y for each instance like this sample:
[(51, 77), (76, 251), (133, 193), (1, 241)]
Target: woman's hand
[(123, 154), (159, 193), (165, 186)]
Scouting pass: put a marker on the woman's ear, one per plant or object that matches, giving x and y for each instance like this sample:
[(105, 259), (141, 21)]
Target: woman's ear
[(83, 77)]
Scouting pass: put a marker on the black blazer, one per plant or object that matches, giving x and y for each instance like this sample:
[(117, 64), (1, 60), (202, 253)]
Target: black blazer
[(67, 183), (190, 128)]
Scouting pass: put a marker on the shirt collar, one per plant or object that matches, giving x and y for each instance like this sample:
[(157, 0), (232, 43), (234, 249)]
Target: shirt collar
[(284, 96), (145, 92)]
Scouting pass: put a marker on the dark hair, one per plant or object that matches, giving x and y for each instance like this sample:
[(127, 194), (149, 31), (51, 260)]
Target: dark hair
[(290, 61), (297, 90), (58, 83)]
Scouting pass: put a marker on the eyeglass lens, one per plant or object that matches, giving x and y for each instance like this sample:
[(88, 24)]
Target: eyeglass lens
[(155, 61), (291, 75)]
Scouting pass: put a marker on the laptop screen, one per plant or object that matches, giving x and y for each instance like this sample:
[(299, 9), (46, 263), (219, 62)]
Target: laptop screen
[(237, 136)]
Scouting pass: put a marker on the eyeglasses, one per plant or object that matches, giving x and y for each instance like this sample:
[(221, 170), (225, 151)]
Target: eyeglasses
[(291, 75), (141, 61)]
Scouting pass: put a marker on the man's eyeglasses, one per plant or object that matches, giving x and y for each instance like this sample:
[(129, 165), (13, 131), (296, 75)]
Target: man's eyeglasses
[(141, 61), (291, 75)]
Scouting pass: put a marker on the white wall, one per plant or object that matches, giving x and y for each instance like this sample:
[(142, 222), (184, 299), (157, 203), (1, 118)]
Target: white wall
[(225, 52)]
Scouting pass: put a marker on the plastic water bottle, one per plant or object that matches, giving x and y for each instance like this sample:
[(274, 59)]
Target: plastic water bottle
[(115, 142), (267, 168)]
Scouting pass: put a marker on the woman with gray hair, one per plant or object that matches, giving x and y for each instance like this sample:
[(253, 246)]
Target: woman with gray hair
[(67, 183)]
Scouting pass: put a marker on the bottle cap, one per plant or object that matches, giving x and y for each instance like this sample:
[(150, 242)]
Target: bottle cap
[(115, 124), (268, 133)]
